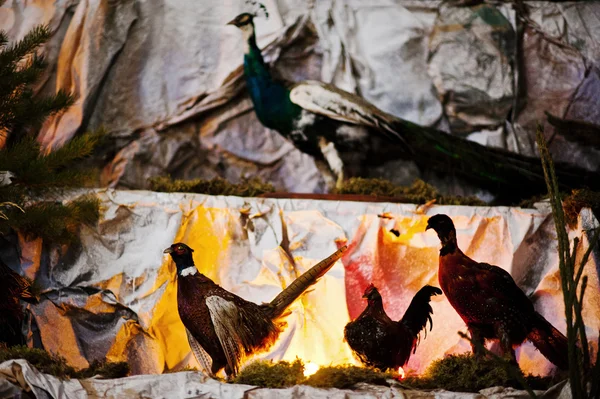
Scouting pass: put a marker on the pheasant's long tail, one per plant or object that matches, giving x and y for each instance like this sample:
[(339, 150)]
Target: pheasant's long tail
[(278, 305), (551, 342)]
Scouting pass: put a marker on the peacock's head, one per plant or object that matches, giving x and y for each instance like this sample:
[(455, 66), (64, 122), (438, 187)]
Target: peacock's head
[(242, 20), (443, 226), (371, 293), (181, 255)]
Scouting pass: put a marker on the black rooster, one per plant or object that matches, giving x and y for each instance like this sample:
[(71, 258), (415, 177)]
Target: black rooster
[(380, 342), (223, 328), (13, 289)]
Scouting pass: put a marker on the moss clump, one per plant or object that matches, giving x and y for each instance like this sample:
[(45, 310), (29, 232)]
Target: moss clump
[(217, 186), (418, 193), (347, 376), (362, 186), (530, 202), (103, 369), (577, 200), (40, 359), (186, 368), (57, 366), (465, 373), (268, 374)]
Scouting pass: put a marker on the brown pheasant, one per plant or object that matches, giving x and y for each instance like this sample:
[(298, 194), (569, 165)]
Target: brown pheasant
[(223, 328), (491, 304)]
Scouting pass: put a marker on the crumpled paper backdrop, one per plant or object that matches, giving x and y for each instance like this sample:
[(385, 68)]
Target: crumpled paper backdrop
[(164, 78), (17, 376), (114, 297)]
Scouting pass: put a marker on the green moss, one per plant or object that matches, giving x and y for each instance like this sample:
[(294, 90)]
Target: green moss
[(362, 186), (418, 193), (179, 370), (268, 374), (103, 369), (530, 202), (217, 186), (577, 200), (45, 362), (465, 373), (346, 376), (57, 366)]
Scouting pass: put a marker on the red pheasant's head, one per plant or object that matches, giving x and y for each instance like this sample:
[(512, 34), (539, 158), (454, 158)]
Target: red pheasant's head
[(443, 226)]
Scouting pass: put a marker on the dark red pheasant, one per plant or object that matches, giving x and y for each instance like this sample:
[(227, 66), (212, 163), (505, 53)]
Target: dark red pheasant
[(223, 328), (491, 304), (380, 342), (13, 289)]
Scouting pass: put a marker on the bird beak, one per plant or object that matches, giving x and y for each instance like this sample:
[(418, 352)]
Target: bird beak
[(168, 251), (428, 227), (365, 296), (232, 22)]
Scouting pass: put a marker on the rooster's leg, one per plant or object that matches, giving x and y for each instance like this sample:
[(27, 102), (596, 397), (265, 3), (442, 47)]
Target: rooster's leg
[(477, 342), (506, 344)]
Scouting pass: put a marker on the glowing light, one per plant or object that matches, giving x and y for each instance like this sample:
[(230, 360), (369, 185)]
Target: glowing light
[(401, 373), (310, 369)]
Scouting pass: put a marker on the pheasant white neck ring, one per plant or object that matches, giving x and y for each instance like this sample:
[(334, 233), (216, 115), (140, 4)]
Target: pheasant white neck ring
[(188, 271)]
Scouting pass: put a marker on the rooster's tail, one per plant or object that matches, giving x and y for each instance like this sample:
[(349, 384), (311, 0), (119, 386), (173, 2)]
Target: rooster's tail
[(278, 305), (551, 342), (419, 310)]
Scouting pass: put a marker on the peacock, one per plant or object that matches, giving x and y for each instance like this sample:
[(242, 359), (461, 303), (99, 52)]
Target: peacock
[(343, 130)]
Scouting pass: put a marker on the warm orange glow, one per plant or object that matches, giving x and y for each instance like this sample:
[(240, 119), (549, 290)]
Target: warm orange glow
[(401, 373), (310, 368)]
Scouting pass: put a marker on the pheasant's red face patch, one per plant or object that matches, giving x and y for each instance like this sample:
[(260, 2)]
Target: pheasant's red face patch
[(180, 249)]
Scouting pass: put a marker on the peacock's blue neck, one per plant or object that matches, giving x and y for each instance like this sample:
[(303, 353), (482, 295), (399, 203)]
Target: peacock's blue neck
[(254, 64), (271, 99)]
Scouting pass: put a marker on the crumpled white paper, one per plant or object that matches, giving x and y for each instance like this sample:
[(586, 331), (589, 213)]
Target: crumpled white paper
[(18, 375), (115, 296)]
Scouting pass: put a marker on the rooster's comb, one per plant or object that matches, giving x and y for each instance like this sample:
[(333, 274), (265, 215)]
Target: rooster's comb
[(370, 288)]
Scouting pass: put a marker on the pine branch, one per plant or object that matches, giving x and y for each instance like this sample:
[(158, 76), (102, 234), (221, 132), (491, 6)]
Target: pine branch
[(39, 177), (32, 40), (15, 78), (54, 222), (78, 148), (33, 111)]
